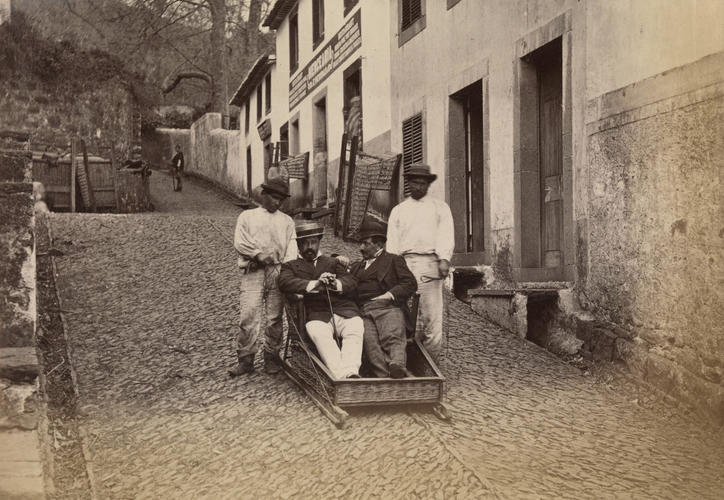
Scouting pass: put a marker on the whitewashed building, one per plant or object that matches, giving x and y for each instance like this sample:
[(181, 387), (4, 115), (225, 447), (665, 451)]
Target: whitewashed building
[(329, 52)]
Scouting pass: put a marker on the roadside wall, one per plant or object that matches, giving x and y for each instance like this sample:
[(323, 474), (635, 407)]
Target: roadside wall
[(210, 152), (655, 255), (215, 153), (54, 116), (17, 259)]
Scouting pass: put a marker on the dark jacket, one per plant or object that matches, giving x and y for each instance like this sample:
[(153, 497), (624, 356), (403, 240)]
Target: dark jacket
[(295, 275), (392, 274)]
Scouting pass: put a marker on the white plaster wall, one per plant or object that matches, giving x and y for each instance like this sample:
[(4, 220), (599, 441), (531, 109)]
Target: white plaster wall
[(629, 40), (375, 54), (464, 39)]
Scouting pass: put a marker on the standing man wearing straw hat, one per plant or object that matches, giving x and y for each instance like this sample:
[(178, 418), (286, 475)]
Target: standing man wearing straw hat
[(421, 230), (330, 311), (264, 239)]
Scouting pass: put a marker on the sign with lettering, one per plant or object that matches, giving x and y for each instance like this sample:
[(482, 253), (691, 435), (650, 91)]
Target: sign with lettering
[(264, 129), (338, 49), (297, 166)]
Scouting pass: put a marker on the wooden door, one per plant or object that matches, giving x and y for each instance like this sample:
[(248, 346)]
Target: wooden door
[(550, 136)]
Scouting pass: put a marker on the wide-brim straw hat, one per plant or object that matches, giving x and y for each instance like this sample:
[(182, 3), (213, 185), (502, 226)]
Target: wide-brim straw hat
[(276, 185), (420, 170), (307, 229)]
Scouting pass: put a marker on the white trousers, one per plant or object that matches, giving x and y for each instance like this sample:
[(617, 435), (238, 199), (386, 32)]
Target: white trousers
[(341, 362), (429, 325)]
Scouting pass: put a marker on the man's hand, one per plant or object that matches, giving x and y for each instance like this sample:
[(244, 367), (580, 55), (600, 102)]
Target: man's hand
[(328, 279), (384, 296), (265, 258), (444, 267), (343, 259)]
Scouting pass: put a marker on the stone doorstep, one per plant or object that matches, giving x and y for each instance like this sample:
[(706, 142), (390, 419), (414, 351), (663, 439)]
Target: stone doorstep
[(19, 364), (21, 469)]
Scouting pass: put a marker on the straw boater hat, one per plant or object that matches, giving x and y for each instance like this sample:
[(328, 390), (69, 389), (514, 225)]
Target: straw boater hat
[(276, 185), (307, 229), (420, 170), (372, 227)]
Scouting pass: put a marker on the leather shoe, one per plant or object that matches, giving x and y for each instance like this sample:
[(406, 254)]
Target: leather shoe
[(245, 365), (272, 363), (397, 371)]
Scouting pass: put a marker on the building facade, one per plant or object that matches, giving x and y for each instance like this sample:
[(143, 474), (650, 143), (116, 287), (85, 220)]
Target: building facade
[(579, 145), (254, 98), (328, 54)]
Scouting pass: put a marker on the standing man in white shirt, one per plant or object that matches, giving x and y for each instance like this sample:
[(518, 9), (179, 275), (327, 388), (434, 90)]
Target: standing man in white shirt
[(421, 230), (264, 239)]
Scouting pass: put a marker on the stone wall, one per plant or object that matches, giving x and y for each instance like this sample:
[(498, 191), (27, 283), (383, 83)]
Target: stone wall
[(159, 146), (53, 116), (655, 227), (19, 366), (17, 262), (211, 152)]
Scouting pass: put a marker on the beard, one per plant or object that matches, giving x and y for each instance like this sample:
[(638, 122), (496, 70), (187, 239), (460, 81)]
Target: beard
[(309, 254)]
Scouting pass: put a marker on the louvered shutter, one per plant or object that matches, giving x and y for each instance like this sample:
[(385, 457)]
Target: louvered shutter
[(411, 12), (411, 144)]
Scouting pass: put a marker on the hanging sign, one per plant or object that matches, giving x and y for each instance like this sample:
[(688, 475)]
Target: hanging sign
[(338, 49)]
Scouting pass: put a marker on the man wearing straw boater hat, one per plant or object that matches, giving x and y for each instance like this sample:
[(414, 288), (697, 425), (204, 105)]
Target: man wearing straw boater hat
[(264, 239), (384, 283), (331, 314), (421, 230)]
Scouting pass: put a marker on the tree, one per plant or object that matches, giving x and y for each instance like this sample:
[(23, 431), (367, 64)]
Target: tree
[(187, 49)]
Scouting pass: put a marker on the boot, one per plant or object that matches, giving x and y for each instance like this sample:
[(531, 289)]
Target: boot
[(272, 363), (245, 365)]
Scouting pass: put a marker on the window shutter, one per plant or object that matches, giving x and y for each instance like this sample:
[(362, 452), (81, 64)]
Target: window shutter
[(411, 12), (411, 144)]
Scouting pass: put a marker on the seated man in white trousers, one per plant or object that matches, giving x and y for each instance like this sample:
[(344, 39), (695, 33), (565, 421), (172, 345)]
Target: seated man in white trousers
[(327, 288)]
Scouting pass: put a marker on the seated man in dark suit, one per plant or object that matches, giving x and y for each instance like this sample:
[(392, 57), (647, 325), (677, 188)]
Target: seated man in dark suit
[(328, 290), (384, 283)]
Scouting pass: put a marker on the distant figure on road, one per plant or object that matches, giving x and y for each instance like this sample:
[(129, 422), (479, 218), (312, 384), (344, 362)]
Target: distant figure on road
[(177, 168), (264, 238), (384, 283), (421, 230), (328, 290)]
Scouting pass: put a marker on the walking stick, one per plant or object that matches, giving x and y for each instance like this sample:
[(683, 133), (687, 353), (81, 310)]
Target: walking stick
[(335, 334)]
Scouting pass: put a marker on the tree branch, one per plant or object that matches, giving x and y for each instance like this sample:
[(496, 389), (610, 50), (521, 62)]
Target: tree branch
[(169, 86)]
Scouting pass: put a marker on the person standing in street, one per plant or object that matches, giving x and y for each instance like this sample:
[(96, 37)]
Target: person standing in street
[(421, 230), (177, 168), (264, 239)]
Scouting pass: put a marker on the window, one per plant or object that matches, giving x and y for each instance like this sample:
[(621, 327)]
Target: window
[(317, 22), (248, 169), (247, 106), (411, 15), (412, 144), (267, 84), (293, 43), (348, 5), (294, 138), (258, 102)]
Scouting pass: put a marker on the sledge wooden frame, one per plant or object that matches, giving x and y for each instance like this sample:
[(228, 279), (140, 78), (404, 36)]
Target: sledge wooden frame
[(302, 365)]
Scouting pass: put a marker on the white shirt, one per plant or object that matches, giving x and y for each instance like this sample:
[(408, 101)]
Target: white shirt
[(423, 226), (258, 230)]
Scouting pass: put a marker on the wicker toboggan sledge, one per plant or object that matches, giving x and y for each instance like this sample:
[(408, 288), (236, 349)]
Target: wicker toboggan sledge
[(303, 366)]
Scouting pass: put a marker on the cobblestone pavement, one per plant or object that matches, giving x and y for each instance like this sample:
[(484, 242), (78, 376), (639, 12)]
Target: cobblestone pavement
[(152, 305)]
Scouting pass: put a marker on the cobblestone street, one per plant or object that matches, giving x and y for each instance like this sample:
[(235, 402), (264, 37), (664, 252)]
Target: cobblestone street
[(151, 303)]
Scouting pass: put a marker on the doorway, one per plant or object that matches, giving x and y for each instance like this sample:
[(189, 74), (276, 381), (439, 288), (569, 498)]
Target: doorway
[(540, 168), (467, 174)]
